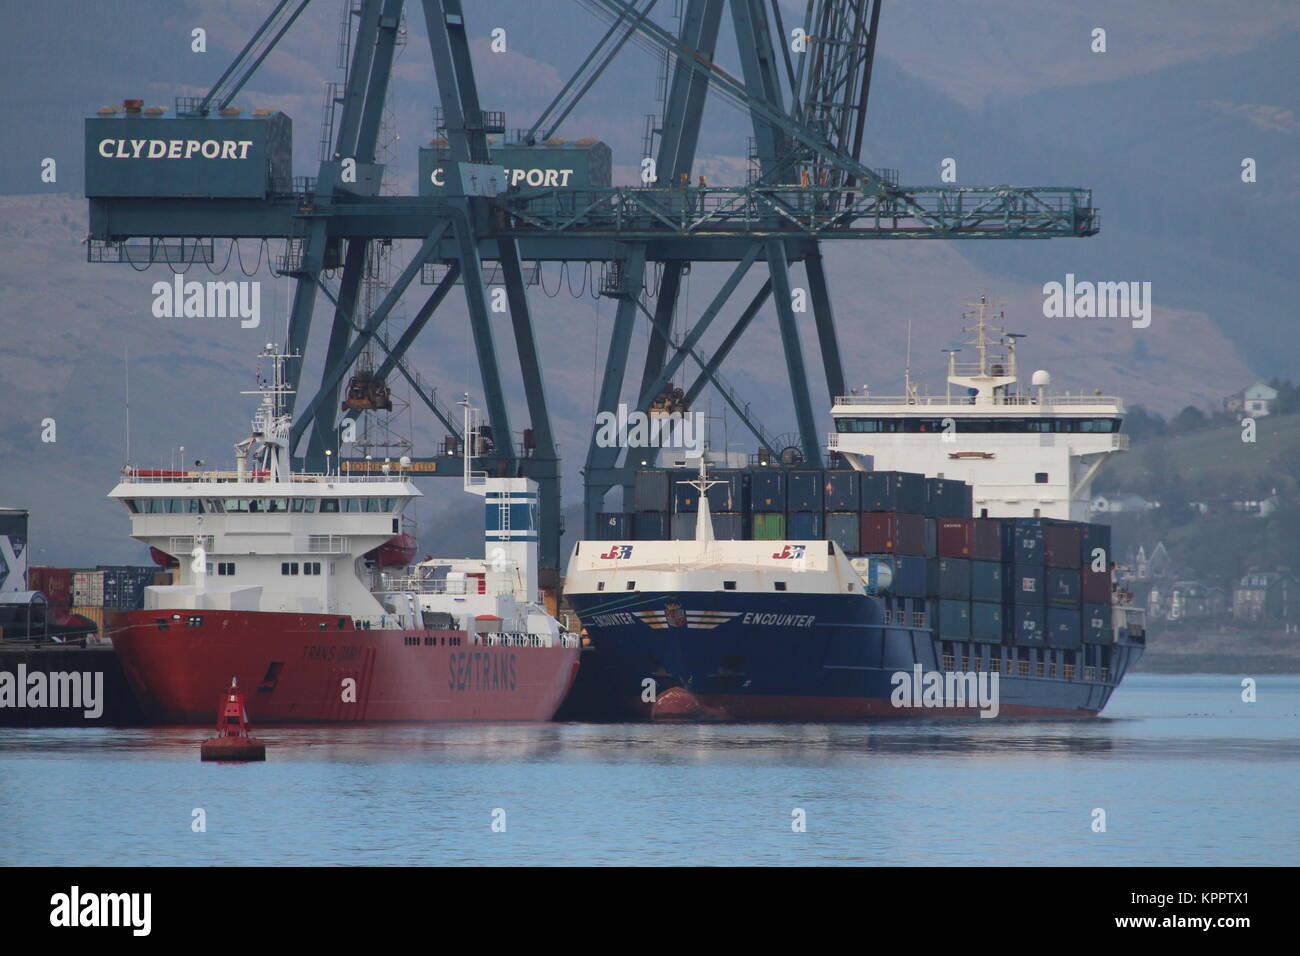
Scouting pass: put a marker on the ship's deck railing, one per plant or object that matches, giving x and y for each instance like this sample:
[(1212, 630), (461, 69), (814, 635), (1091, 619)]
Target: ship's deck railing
[(523, 639), (417, 585), (1004, 440), (227, 477), (968, 401)]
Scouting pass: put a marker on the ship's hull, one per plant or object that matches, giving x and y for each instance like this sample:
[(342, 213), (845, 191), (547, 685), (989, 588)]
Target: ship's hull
[(748, 656), (312, 668)]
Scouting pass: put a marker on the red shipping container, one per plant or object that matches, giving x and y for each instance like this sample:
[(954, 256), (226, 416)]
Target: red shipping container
[(884, 532), (956, 537), (1061, 545), (986, 539), (54, 583), (1095, 586)]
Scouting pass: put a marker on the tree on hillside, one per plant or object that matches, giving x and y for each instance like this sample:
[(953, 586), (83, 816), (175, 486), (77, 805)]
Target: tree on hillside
[(1141, 423), (1190, 419)]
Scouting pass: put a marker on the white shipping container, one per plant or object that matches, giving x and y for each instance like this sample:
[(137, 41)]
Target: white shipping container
[(88, 588)]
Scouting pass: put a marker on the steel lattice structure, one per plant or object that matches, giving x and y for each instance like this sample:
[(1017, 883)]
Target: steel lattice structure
[(808, 111)]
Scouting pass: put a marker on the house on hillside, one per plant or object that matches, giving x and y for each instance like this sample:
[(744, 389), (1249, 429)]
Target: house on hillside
[(1256, 401), (1266, 596), (1155, 566)]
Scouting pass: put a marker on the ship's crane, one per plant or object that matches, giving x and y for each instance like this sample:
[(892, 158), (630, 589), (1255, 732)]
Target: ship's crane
[(807, 108)]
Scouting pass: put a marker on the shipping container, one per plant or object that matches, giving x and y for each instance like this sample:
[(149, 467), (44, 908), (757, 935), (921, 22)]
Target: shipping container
[(885, 533), (1094, 538), (54, 583), (1061, 544), (805, 526), (910, 576), (683, 526), (931, 537), (954, 620), (132, 154), (947, 498), (1028, 584), (162, 579), (952, 578), (88, 588), (651, 526), (1027, 535), (1063, 631), (987, 581), (1030, 625), (1095, 586), (899, 491), (1097, 624), (804, 491), (1063, 586), (767, 491), (652, 490), (727, 495), (729, 526), (845, 530), (842, 490), (986, 624), (769, 526), (986, 540), (124, 584), (614, 526), (956, 537)]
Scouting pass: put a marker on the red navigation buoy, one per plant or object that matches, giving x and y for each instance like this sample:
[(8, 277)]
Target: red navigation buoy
[(232, 741)]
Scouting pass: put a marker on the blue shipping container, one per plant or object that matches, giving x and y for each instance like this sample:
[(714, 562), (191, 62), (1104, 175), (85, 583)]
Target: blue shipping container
[(805, 491), (1027, 584), (842, 490), (1028, 537), (954, 620), (1097, 624), (767, 491), (614, 526), (1030, 625), (804, 526), (986, 625), (1063, 586), (953, 581), (986, 581), (652, 526), (1094, 538), (845, 530), (1063, 629)]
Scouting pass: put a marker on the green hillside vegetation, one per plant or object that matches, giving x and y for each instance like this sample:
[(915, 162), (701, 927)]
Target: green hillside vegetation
[(1210, 462), (1200, 459)]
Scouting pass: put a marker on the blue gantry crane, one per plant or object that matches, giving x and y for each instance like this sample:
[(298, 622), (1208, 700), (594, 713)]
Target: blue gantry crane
[(803, 86)]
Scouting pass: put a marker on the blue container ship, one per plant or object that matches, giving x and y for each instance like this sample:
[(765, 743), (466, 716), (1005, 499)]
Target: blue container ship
[(858, 593)]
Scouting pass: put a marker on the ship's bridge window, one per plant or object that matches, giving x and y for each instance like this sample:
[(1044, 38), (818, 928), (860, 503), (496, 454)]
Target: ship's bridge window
[(305, 505), (351, 505), (329, 505), (276, 505), (236, 505), (374, 504)]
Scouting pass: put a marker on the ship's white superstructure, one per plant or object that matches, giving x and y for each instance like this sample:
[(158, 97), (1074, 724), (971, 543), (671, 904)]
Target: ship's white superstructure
[(266, 538), (1025, 452)]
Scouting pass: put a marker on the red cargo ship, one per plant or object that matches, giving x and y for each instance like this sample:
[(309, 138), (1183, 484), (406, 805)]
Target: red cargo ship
[(283, 582)]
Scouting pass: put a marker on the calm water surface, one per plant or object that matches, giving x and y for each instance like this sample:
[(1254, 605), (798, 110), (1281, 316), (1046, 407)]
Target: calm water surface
[(1186, 773)]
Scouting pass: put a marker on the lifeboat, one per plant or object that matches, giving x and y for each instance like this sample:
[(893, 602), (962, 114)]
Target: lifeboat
[(163, 559), (396, 553)]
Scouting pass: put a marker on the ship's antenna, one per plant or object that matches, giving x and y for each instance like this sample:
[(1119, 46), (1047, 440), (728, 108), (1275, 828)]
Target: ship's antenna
[(907, 369), (126, 361)]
